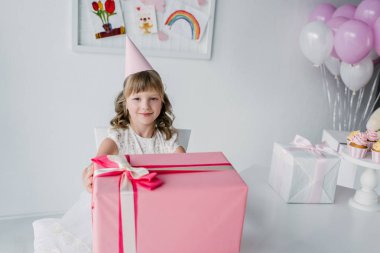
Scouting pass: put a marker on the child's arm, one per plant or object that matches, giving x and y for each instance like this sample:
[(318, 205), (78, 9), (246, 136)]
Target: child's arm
[(180, 149), (108, 147)]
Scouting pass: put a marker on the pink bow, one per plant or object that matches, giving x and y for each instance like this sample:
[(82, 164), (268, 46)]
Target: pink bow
[(117, 165), (303, 143)]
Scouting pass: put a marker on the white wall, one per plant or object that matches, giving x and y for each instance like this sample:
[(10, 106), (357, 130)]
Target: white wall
[(256, 89)]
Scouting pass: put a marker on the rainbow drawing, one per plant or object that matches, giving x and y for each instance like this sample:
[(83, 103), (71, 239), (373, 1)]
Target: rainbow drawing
[(193, 22)]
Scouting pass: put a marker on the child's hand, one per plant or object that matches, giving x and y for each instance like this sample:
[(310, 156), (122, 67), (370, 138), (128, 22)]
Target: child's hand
[(87, 177)]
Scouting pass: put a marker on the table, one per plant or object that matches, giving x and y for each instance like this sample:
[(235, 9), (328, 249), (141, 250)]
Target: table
[(272, 225), (366, 197)]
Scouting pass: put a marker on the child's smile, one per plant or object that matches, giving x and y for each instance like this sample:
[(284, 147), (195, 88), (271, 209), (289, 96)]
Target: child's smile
[(147, 114)]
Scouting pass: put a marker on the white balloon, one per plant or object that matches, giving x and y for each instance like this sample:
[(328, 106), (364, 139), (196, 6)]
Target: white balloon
[(333, 65), (356, 76), (316, 41)]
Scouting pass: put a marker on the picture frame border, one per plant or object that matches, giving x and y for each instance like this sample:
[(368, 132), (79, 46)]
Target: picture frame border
[(80, 48)]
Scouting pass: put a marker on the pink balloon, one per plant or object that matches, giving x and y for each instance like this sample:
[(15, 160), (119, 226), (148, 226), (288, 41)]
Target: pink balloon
[(353, 41), (334, 24), (322, 12), (376, 29), (368, 11), (347, 11)]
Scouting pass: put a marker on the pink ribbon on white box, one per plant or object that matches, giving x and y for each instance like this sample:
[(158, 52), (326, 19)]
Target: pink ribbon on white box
[(300, 142), (303, 143)]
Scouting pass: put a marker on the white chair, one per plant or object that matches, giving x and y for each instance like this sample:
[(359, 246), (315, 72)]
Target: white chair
[(183, 136)]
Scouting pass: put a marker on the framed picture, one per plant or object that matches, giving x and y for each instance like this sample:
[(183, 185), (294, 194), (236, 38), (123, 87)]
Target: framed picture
[(175, 28)]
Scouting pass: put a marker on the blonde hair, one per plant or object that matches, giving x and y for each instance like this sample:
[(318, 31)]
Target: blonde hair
[(139, 82)]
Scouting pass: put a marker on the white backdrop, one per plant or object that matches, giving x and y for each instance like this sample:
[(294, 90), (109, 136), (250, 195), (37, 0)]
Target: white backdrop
[(256, 89)]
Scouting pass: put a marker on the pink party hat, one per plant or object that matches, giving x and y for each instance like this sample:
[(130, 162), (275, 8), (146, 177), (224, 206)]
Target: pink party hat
[(134, 60)]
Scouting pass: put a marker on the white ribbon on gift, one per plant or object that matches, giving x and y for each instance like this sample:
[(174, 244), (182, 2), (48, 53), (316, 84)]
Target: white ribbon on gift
[(126, 198), (123, 164)]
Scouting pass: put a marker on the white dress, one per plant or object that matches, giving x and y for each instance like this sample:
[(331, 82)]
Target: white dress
[(72, 233)]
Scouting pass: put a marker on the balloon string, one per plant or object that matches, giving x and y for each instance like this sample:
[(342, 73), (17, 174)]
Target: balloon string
[(326, 88), (358, 104), (334, 114), (334, 90), (323, 81), (351, 96), (345, 105), (339, 103), (326, 84)]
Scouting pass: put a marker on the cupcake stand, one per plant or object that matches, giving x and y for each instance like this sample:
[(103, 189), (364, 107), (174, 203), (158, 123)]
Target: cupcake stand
[(366, 197)]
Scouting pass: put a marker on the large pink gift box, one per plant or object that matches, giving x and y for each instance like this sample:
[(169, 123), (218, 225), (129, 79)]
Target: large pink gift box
[(198, 208)]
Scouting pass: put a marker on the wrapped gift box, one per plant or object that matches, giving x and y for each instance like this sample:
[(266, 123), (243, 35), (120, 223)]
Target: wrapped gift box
[(199, 207), (349, 173), (302, 175)]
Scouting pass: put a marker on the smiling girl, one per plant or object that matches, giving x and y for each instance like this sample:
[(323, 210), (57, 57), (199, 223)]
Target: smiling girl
[(144, 118), (142, 125), (143, 121)]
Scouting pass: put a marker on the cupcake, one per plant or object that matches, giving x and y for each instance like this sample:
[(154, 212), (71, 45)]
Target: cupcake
[(371, 138), (351, 135), (376, 152), (358, 145)]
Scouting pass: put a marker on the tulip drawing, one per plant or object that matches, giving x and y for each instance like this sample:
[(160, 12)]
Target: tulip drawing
[(110, 6), (95, 6), (104, 15), (100, 5)]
